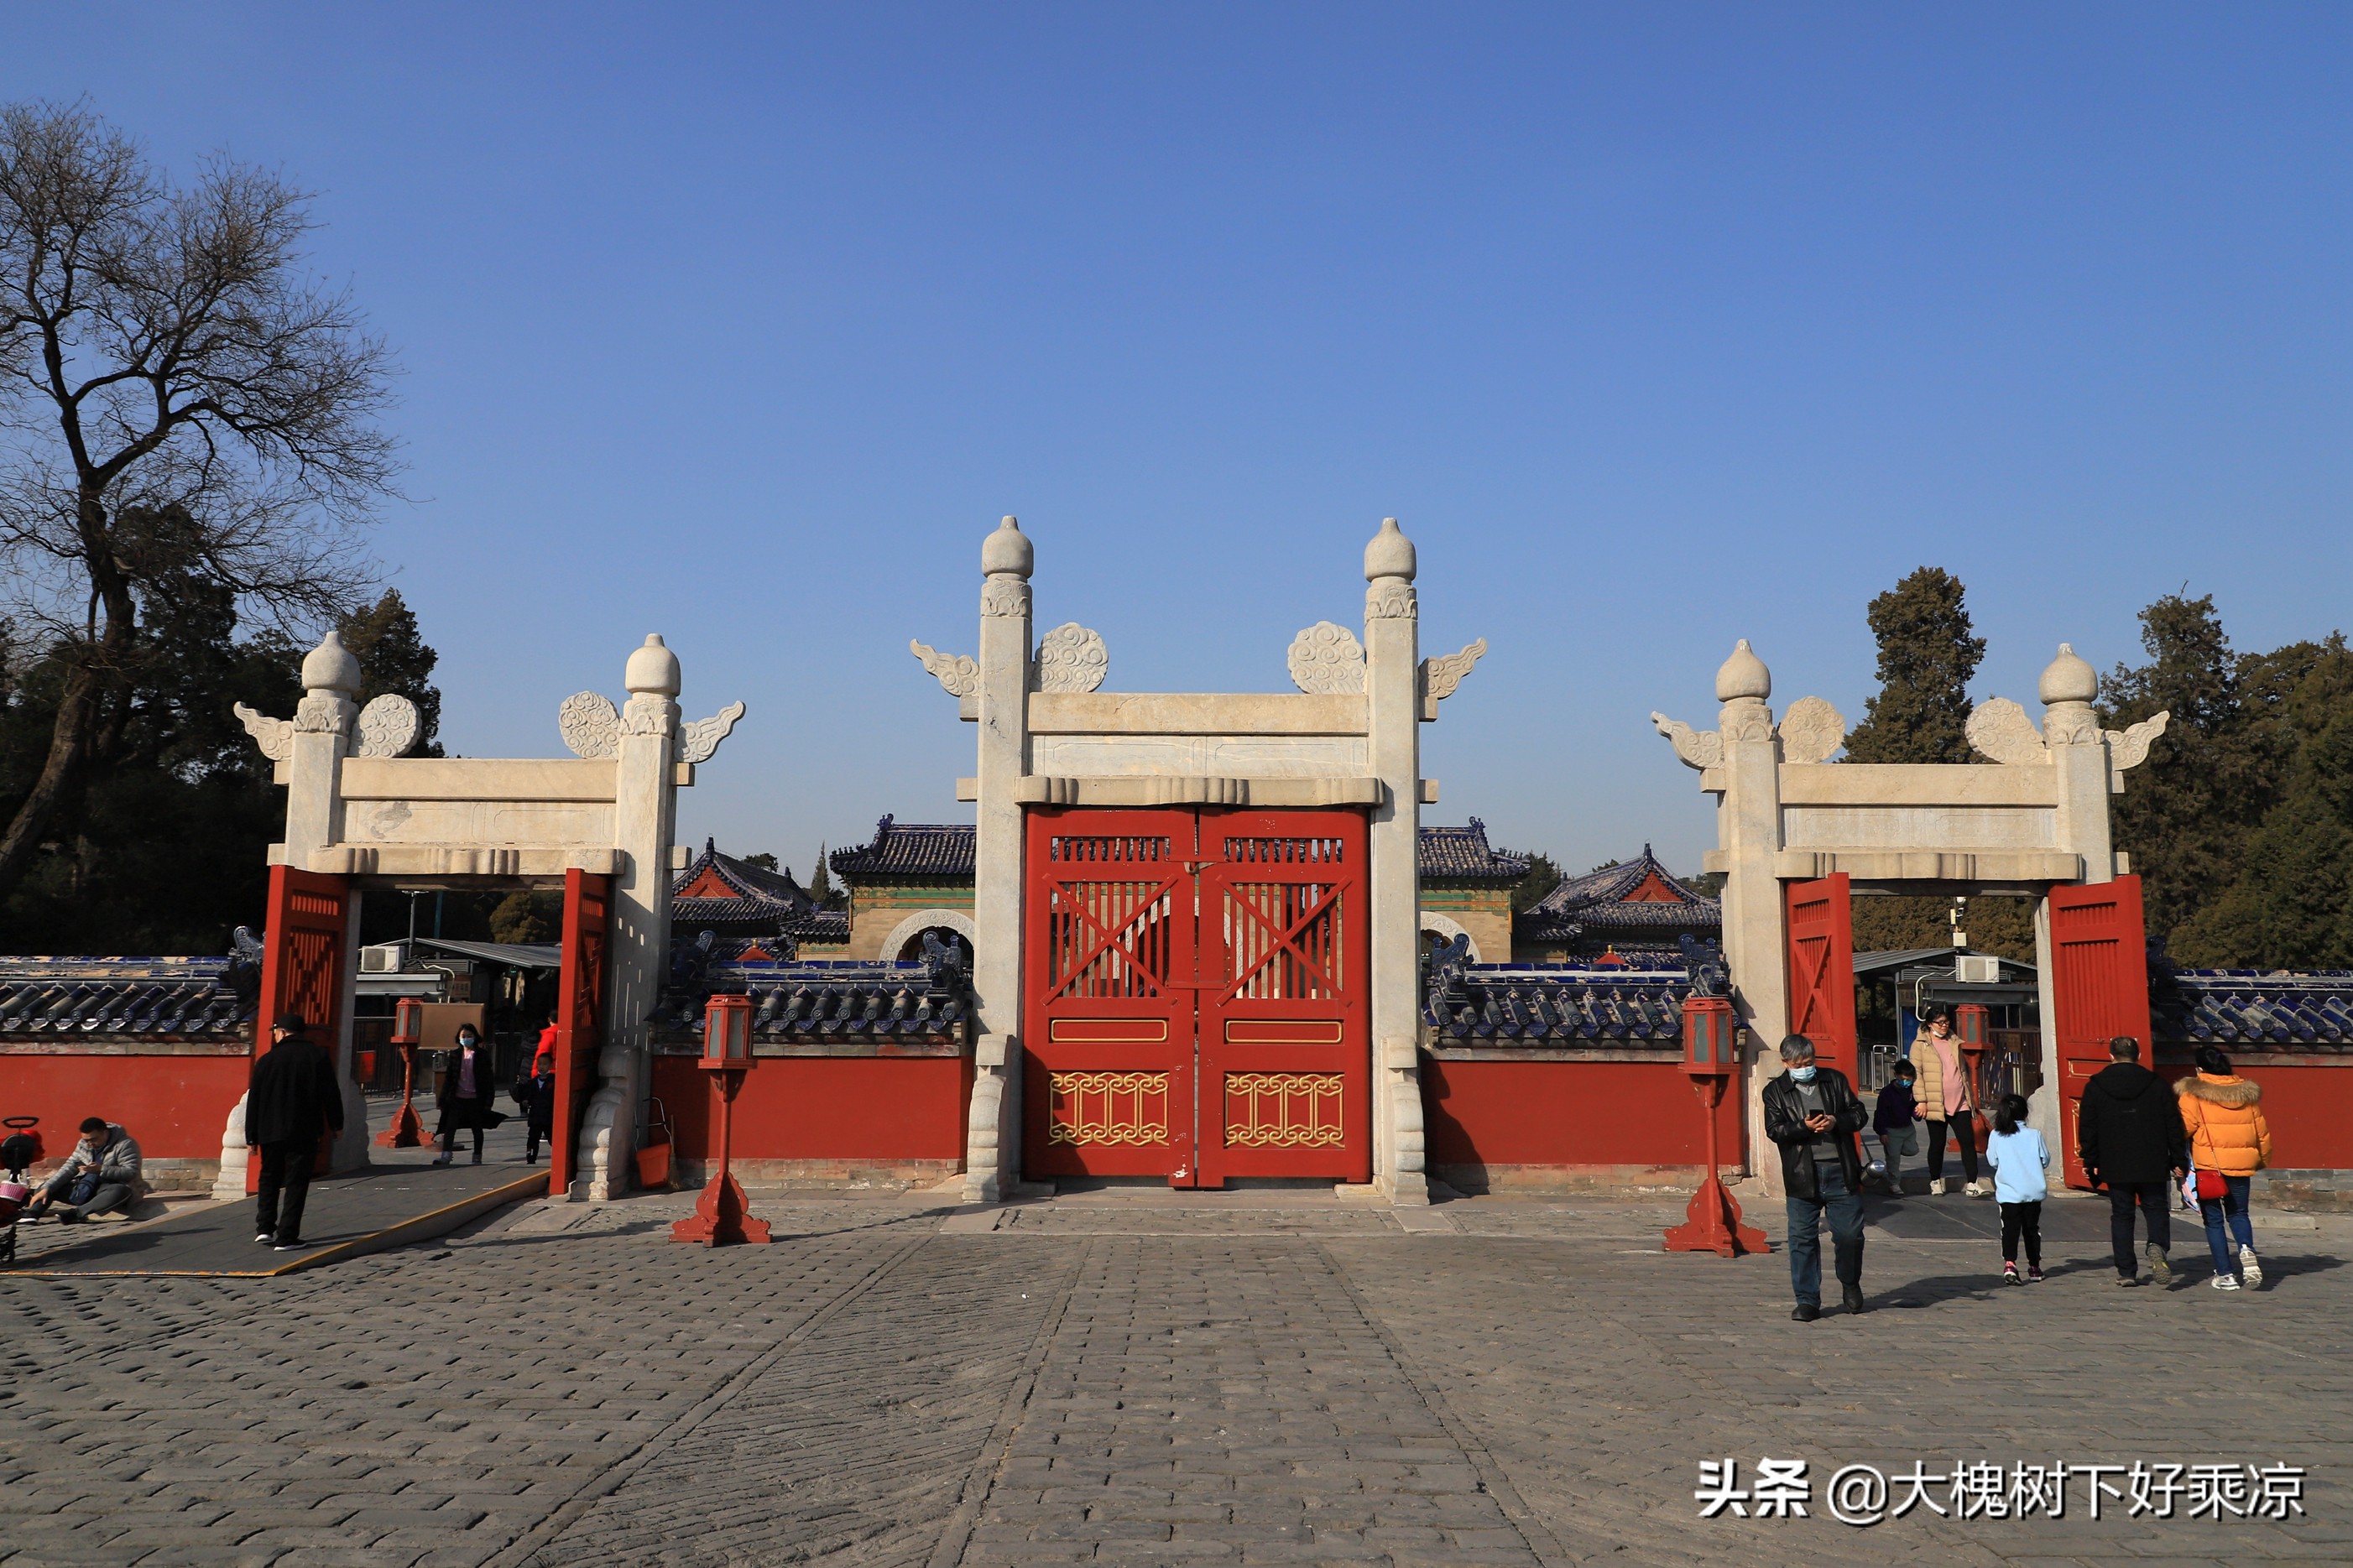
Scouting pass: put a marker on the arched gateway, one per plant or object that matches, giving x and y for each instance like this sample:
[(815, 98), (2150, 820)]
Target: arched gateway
[(361, 813), (1198, 944)]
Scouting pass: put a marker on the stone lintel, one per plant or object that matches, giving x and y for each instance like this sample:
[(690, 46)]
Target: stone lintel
[(1195, 714), (466, 860), (2011, 866), (1179, 789), (480, 779), (1916, 784)]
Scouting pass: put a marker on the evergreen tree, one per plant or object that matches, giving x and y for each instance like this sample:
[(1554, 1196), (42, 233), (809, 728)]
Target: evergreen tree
[(1928, 650), (393, 655), (2187, 811), (820, 886), (1540, 877), (1926, 656)]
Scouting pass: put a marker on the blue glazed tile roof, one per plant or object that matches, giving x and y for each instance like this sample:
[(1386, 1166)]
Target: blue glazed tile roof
[(817, 1000), (2252, 1009), (151, 998), (1557, 1005), (1590, 906)]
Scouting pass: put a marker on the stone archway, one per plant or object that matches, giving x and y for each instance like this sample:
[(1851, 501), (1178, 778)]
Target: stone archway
[(922, 921), (1447, 927)]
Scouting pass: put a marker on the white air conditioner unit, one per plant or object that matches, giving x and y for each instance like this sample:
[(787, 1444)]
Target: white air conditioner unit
[(1975, 969), (383, 958)]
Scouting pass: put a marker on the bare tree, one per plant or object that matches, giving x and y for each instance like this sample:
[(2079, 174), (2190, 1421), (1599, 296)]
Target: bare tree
[(178, 397)]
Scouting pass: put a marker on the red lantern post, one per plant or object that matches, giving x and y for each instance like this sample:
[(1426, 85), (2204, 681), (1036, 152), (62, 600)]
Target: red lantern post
[(1711, 1055), (407, 1030), (718, 1217)]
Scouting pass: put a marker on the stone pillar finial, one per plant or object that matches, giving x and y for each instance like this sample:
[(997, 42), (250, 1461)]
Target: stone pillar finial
[(1390, 553), (1743, 675), (331, 667), (652, 669), (2068, 678), (1007, 550)]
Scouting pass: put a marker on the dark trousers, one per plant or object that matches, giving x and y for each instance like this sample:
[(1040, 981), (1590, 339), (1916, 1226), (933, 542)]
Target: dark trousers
[(1843, 1209), (105, 1199), (285, 1187), (2155, 1201), (2022, 1219), (1965, 1136)]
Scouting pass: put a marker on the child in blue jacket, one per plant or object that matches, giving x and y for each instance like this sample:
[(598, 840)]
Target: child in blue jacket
[(2019, 1158)]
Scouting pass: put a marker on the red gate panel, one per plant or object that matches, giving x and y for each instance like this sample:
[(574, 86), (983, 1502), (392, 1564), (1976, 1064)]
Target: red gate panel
[(1284, 1026), (302, 967), (1111, 972), (1821, 919), (579, 1018), (2099, 989)]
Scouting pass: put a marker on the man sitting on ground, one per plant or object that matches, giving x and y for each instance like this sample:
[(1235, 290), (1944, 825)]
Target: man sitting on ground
[(100, 1176)]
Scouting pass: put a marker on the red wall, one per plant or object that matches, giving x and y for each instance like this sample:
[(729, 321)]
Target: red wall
[(2309, 1111), (176, 1106), (1571, 1114), (826, 1108)]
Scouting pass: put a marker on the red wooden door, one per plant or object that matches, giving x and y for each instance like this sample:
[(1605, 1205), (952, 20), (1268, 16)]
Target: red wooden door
[(579, 1018), (1110, 976), (2099, 989), (301, 968), (1820, 921), (1285, 1027)]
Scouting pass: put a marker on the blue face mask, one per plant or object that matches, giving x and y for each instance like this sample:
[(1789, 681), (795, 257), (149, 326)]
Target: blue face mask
[(1804, 1074)]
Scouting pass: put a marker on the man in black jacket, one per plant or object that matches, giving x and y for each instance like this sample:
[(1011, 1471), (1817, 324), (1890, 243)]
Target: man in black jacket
[(293, 1097), (1812, 1114), (2128, 1134)]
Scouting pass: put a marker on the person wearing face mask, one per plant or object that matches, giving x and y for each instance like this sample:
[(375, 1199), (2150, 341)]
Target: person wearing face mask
[(1946, 1103), (466, 1095), (1812, 1112)]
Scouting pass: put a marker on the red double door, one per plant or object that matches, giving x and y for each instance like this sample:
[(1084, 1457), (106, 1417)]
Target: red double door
[(1196, 995)]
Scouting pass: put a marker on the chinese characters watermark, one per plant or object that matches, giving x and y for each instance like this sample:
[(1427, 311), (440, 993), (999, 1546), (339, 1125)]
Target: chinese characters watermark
[(1864, 1495)]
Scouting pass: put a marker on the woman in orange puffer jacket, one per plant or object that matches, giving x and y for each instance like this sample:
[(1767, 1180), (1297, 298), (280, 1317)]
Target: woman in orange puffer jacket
[(2222, 1113)]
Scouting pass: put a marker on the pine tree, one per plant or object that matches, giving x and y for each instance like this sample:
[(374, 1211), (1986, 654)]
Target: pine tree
[(1927, 652), (821, 885), (393, 658), (1926, 656), (2187, 811)]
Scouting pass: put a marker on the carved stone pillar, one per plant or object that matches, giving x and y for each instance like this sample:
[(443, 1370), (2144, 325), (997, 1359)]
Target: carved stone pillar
[(317, 746), (1749, 825), (2079, 756), (1393, 716), (993, 1135), (645, 812)]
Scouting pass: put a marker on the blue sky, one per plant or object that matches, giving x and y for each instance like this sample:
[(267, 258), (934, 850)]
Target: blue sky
[(1657, 326)]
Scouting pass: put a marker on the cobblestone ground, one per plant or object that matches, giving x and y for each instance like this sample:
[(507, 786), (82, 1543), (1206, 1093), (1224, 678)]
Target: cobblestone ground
[(1150, 1382)]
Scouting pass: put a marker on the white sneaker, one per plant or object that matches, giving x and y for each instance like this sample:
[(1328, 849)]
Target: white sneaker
[(2224, 1283), (265, 1239), (1940, 1186), (2250, 1269), (1980, 1188)]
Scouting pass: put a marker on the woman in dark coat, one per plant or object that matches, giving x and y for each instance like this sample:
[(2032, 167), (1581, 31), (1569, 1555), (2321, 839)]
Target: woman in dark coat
[(466, 1095)]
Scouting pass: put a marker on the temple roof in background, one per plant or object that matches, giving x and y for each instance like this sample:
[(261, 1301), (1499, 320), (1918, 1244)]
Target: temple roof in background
[(1462, 856), (1626, 1006), (735, 897), (1638, 896)]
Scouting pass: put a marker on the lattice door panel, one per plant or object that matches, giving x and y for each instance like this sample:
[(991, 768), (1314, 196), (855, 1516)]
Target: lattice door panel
[(1285, 1026), (1110, 924), (301, 968)]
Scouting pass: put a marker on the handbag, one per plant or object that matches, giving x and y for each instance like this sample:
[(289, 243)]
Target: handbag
[(2211, 1184)]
